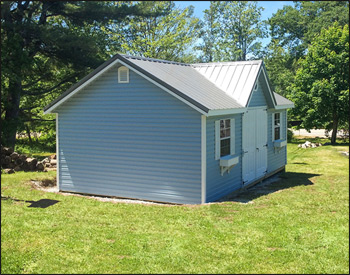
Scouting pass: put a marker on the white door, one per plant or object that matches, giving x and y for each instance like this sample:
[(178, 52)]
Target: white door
[(261, 142), (254, 139)]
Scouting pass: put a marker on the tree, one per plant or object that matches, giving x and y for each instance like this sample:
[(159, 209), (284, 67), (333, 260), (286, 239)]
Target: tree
[(237, 27), (209, 33), (47, 46), (168, 35), (292, 29), (321, 87)]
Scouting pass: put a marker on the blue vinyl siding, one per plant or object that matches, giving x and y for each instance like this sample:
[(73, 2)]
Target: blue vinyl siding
[(217, 185), (276, 159), (258, 97), (130, 140)]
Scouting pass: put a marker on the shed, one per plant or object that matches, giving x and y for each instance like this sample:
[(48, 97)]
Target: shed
[(172, 132)]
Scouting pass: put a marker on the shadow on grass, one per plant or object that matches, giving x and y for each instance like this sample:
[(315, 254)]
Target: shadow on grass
[(276, 183), (43, 203)]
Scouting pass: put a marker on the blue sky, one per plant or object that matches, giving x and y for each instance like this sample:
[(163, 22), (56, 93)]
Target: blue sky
[(270, 7)]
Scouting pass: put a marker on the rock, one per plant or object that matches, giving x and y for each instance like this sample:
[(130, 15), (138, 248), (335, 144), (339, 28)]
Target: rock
[(303, 146), (313, 145), (307, 143), (31, 163), (53, 162), (14, 156), (40, 166), (19, 161), (47, 164), (7, 160), (9, 171), (23, 157), (45, 160), (11, 165), (53, 156), (7, 151), (17, 168)]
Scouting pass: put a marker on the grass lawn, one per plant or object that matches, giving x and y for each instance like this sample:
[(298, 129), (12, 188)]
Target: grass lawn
[(299, 224)]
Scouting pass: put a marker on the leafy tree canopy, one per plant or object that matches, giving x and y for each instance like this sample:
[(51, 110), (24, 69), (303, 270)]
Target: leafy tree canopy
[(47, 46), (321, 87), (292, 29), (169, 35), (231, 31)]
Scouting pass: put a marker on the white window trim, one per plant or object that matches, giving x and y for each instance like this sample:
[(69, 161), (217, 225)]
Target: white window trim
[(274, 127), (120, 69), (218, 138)]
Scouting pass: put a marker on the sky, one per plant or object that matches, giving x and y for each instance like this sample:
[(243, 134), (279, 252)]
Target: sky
[(270, 7)]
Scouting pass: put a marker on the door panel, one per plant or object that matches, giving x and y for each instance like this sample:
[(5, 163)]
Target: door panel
[(248, 146), (261, 141), (254, 160)]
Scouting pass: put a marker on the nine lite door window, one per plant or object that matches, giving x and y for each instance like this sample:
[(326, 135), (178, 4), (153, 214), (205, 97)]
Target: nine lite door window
[(225, 130), (277, 126)]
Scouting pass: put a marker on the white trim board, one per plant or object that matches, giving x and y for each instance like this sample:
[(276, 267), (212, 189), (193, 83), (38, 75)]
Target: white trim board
[(82, 86), (203, 158), (130, 68), (163, 88), (57, 156)]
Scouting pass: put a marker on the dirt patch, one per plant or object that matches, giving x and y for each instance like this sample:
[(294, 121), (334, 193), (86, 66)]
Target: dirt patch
[(48, 185)]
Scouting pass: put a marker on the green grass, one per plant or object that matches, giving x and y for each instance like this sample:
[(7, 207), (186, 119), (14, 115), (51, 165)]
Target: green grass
[(299, 224)]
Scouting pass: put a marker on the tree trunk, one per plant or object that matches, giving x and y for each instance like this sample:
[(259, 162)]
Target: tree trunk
[(12, 111), (335, 130), (28, 133)]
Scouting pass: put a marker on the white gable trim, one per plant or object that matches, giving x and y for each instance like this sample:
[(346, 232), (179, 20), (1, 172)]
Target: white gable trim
[(262, 69), (268, 86), (82, 86), (118, 61)]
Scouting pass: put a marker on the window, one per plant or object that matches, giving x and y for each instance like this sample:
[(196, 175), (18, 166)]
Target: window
[(225, 137), (123, 75), (256, 87), (277, 126)]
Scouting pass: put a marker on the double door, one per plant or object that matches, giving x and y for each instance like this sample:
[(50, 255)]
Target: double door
[(254, 141)]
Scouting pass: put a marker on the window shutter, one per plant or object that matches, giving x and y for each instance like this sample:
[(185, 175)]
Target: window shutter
[(217, 139), (232, 138)]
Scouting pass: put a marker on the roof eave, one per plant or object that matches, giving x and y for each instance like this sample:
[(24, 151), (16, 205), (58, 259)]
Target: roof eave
[(284, 106), (231, 111)]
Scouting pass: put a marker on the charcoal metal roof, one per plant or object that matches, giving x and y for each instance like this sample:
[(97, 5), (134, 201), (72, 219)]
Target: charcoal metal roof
[(282, 100), (186, 82), (208, 86)]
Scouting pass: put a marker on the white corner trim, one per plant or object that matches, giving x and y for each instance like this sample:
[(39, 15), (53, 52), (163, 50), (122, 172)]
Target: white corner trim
[(57, 155), (204, 157)]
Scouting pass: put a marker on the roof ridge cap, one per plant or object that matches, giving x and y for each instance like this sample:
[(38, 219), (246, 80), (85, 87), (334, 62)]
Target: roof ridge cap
[(154, 60), (257, 61)]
